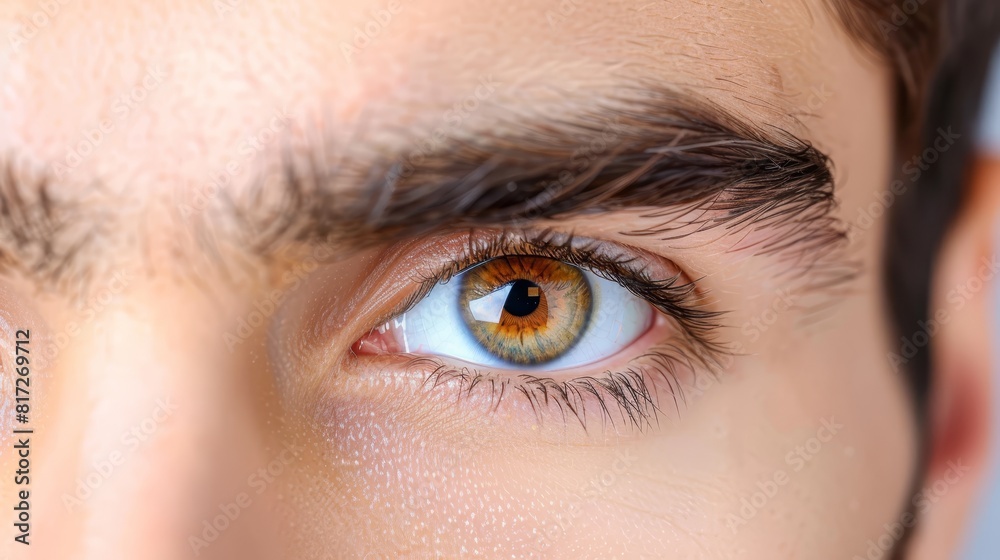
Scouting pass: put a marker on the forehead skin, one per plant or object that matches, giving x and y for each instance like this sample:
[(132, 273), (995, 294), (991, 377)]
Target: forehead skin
[(202, 78), (214, 74)]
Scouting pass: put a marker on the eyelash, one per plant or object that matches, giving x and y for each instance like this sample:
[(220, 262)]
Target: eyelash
[(632, 391)]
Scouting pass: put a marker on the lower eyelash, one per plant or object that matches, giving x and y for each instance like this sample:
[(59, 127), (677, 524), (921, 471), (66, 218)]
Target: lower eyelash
[(627, 399)]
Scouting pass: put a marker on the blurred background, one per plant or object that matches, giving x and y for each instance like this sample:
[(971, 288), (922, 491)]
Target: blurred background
[(984, 542)]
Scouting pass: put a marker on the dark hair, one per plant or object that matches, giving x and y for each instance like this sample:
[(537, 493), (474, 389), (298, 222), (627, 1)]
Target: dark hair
[(923, 213), (940, 52)]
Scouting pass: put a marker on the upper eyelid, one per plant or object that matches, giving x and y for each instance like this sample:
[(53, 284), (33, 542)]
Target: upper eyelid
[(670, 290), (547, 243)]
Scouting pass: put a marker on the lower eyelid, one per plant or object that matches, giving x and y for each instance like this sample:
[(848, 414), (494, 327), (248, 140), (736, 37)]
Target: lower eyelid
[(532, 397)]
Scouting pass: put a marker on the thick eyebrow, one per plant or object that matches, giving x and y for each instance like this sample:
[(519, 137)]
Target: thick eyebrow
[(686, 162), (665, 153), (41, 235)]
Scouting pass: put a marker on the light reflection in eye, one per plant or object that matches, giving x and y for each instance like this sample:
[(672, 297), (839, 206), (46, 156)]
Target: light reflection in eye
[(489, 308), (543, 314), (525, 312)]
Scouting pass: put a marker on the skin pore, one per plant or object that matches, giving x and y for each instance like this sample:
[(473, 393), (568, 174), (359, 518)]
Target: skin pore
[(202, 337)]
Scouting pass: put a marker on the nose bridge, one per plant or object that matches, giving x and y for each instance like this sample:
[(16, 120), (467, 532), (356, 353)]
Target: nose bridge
[(149, 403)]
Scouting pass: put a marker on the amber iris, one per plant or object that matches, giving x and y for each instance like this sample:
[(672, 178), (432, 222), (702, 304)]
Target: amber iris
[(526, 310)]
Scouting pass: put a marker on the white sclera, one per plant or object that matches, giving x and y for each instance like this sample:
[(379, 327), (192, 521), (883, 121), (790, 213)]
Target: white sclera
[(435, 326)]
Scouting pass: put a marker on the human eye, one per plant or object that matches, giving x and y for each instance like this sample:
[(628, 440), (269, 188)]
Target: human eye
[(523, 311), (569, 323)]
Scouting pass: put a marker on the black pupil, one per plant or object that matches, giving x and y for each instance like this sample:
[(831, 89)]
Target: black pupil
[(523, 298)]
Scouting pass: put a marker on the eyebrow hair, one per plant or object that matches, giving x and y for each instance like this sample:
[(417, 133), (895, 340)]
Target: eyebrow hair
[(663, 152), (35, 237), (51, 235)]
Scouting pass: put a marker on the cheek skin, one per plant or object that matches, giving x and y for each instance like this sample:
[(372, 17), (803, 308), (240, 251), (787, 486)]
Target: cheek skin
[(758, 464), (820, 453), (411, 479), (421, 481)]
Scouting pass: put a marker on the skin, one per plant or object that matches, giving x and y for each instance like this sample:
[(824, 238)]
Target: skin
[(369, 466)]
